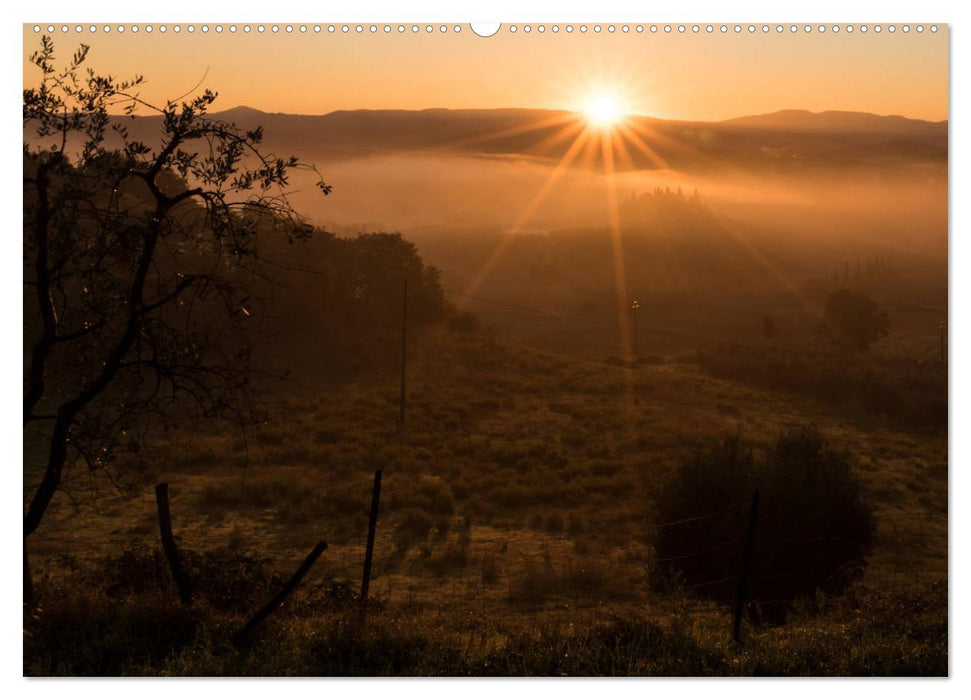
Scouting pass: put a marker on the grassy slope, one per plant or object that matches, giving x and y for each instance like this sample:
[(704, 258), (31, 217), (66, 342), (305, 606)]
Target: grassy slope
[(514, 508)]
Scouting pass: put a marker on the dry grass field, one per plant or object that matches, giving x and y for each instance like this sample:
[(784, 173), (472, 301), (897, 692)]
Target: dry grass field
[(514, 532)]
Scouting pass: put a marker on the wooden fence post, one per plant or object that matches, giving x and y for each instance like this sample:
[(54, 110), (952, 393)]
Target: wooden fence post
[(284, 593), (369, 551), (743, 571), (168, 544)]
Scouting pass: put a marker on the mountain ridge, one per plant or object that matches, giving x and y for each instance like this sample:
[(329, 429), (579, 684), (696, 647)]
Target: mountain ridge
[(777, 115), (788, 140)]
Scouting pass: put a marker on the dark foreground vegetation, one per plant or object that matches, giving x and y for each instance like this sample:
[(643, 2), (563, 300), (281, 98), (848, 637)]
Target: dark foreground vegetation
[(107, 618), (520, 533)]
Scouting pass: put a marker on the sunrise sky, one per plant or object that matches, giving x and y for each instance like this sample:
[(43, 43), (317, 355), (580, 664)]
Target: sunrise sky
[(685, 76)]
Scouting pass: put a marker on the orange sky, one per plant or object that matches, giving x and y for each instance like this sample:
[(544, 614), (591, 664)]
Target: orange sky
[(703, 76)]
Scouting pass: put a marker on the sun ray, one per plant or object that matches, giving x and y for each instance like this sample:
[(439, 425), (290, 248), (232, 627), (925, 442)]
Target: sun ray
[(625, 162), (780, 278), (528, 212), (561, 119), (629, 398), (592, 155), (617, 251), (561, 167), (572, 130), (640, 128), (632, 137)]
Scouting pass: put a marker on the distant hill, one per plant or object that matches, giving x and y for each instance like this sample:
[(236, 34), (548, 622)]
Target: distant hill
[(844, 122), (790, 139)]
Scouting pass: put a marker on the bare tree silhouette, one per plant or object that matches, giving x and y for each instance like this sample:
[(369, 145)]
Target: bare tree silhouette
[(139, 266)]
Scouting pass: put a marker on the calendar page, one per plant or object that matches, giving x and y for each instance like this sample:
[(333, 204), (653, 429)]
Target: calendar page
[(513, 349)]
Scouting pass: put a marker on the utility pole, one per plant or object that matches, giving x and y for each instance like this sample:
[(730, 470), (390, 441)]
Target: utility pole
[(634, 307)]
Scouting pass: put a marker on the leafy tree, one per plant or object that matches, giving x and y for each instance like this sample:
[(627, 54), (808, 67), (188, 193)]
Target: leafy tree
[(364, 277), (139, 267), (854, 320), (342, 312)]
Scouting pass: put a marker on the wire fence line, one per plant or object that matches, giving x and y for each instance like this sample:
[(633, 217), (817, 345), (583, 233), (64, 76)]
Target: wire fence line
[(698, 518), (600, 319), (508, 304), (728, 551), (734, 505), (733, 547), (849, 536), (707, 550)]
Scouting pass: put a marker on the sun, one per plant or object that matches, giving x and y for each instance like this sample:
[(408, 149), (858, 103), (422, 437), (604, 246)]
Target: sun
[(603, 111)]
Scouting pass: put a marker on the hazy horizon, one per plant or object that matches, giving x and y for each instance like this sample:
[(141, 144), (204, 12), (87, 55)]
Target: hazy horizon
[(664, 75), (572, 111)]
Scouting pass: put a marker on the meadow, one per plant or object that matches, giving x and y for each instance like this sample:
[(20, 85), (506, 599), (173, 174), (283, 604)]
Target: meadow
[(514, 535)]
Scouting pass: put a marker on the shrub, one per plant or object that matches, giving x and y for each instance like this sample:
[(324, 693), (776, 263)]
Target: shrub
[(813, 530), (854, 320), (226, 578), (82, 633), (231, 579)]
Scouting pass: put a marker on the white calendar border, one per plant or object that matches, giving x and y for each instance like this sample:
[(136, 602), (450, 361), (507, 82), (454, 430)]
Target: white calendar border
[(830, 11)]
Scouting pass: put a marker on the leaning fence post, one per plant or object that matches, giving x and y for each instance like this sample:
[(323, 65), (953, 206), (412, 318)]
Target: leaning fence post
[(369, 551), (743, 571), (284, 593), (168, 543)]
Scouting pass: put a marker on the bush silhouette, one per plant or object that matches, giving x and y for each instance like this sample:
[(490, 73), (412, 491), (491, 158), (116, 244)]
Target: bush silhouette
[(854, 320), (813, 532)]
